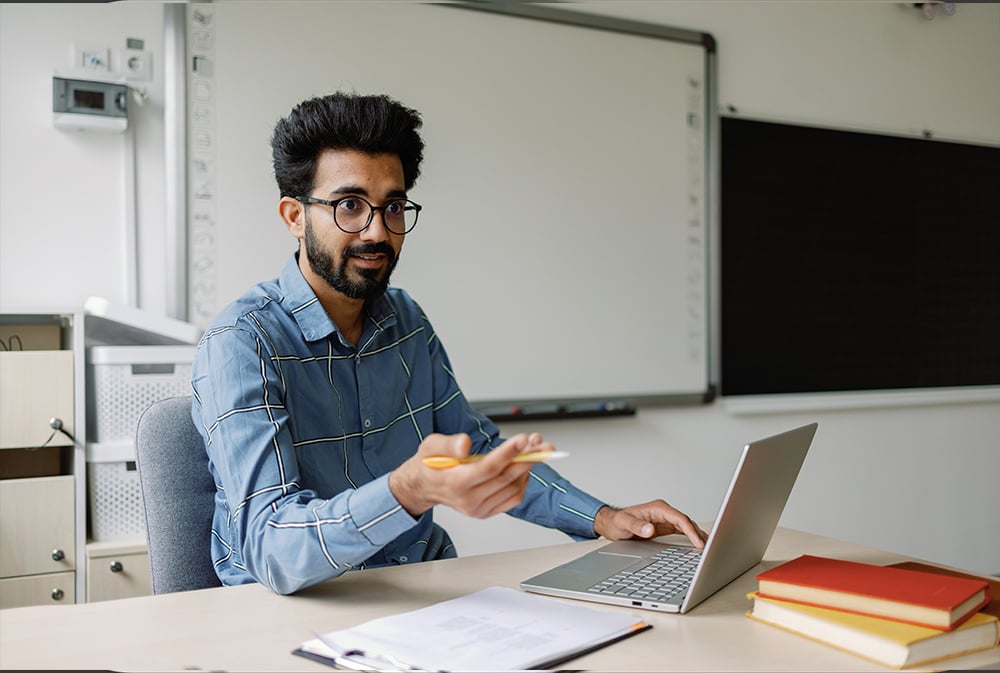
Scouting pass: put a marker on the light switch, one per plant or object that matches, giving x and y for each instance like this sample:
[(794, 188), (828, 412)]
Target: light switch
[(91, 57)]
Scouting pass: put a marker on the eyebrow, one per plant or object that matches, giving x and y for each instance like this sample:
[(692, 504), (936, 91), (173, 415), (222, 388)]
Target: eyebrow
[(361, 191)]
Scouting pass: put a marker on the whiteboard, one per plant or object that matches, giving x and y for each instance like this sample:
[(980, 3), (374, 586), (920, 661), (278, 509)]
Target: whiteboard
[(562, 253)]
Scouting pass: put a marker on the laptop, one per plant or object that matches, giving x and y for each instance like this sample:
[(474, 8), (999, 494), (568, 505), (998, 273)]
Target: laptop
[(676, 577)]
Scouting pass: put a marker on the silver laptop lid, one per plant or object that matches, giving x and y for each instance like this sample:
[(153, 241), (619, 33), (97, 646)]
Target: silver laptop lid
[(750, 510)]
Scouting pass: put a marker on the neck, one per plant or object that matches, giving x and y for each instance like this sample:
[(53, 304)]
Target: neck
[(346, 314)]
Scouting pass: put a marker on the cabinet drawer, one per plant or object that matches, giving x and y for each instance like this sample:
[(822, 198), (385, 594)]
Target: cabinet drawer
[(35, 386), (118, 576), (36, 526), (52, 589)]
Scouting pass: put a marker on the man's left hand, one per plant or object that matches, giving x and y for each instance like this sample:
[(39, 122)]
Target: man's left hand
[(646, 521)]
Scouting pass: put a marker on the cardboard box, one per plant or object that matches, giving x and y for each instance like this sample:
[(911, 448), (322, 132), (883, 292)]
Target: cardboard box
[(24, 463), (30, 337)]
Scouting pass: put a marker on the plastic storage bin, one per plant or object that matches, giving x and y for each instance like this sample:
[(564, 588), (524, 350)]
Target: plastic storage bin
[(114, 493), (123, 380)]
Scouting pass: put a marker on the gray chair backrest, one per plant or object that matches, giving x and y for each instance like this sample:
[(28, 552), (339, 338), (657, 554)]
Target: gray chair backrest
[(178, 493)]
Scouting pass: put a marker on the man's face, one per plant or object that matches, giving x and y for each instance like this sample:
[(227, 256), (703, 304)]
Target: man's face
[(356, 265)]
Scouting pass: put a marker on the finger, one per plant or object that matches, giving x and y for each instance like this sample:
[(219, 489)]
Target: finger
[(460, 445), (508, 504), (437, 444), (504, 498), (479, 485), (500, 457), (636, 526), (496, 469), (681, 523), (539, 446), (697, 536)]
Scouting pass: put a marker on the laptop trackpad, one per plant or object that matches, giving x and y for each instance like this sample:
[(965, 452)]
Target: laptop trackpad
[(585, 571)]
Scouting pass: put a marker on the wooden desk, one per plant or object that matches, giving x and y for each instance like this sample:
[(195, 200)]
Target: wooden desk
[(249, 628)]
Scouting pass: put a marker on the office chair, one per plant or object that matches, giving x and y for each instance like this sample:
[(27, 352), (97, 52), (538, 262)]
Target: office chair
[(178, 494)]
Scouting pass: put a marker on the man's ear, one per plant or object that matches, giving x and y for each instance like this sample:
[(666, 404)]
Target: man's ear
[(293, 214)]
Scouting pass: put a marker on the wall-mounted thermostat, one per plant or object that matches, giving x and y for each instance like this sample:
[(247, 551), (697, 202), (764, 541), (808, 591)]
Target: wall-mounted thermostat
[(87, 105)]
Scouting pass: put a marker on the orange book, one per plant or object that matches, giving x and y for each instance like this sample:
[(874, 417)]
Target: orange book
[(912, 596)]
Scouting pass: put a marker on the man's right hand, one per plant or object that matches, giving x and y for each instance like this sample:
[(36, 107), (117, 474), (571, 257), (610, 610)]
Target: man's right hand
[(480, 489)]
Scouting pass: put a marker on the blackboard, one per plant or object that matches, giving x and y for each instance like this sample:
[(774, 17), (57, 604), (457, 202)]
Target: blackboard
[(562, 253), (857, 261)]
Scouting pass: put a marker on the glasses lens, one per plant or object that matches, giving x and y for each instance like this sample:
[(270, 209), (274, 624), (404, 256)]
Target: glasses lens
[(352, 215), (400, 216)]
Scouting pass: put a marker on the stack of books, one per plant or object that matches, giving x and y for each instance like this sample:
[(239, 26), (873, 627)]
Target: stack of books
[(897, 616)]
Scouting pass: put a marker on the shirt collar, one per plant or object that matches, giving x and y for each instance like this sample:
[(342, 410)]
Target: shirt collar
[(303, 304)]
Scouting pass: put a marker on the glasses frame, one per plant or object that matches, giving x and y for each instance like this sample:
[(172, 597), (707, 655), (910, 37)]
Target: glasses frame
[(371, 212)]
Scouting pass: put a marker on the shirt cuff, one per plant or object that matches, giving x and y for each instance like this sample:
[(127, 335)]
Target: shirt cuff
[(377, 513), (577, 510)]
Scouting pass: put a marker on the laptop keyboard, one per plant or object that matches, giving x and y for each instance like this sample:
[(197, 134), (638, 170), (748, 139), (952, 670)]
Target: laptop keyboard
[(666, 574)]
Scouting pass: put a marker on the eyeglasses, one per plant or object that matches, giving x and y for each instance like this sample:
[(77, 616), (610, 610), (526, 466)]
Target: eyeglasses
[(353, 214)]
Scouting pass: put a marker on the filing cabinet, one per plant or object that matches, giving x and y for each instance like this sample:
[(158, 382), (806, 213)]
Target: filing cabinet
[(118, 569), (38, 460), (56, 545), (37, 558)]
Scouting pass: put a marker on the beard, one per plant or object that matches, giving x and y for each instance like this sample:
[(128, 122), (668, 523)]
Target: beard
[(368, 285)]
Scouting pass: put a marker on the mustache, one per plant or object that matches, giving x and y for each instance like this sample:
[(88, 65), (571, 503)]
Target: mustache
[(380, 248)]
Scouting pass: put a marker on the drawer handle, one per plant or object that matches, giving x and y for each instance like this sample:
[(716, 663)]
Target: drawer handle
[(116, 566), (57, 594), (58, 555)]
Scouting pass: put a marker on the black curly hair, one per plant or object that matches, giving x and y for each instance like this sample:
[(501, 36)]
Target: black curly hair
[(373, 124)]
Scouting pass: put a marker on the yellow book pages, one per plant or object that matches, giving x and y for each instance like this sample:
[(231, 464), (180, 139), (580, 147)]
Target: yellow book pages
[(900, 632), (885, 641)]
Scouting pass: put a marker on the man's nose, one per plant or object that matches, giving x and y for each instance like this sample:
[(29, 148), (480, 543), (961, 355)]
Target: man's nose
[(376, 229)]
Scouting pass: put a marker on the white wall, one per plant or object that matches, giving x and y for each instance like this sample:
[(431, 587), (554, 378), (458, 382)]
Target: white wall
[(919, 479), (62, 196)]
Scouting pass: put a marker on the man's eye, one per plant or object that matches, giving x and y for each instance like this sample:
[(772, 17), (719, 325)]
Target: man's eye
[(395, 207), (349, 205)]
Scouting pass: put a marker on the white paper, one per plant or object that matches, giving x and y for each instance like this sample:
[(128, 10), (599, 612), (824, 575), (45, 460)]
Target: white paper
[(494, 629)]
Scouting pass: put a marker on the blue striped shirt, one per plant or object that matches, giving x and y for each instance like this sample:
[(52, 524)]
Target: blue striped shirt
[(302, 429)]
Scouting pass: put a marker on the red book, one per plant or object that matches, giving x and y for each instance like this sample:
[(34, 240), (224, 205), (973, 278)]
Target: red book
[(912, 596), (992, 608)]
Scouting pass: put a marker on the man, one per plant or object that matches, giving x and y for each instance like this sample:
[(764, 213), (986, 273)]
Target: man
[(319, 393)]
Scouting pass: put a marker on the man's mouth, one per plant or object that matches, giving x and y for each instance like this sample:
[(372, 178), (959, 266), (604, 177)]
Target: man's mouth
[(371, 254), (371, 258), (369, 261)]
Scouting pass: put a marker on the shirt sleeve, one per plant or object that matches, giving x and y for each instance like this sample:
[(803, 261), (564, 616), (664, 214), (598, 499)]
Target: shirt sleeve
[(285, 536), (552, 501)]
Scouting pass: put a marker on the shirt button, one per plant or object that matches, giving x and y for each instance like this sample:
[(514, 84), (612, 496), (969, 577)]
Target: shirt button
[(368, 422)]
